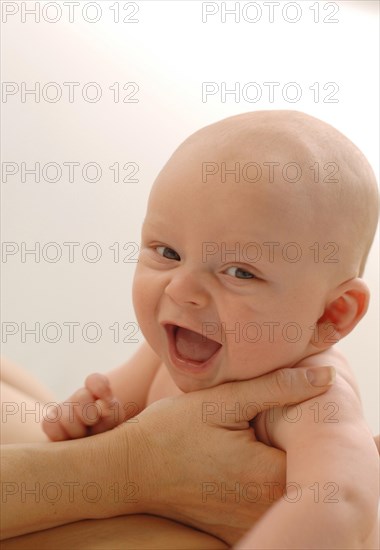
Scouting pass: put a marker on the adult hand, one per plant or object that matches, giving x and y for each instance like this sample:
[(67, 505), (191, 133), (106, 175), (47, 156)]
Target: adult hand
[(197, 459), (177, 459)]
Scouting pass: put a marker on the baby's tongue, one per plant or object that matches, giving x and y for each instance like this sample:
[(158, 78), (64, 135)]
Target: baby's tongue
[(194, 346)]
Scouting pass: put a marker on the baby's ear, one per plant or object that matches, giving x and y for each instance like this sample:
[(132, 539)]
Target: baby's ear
[(347, 304)]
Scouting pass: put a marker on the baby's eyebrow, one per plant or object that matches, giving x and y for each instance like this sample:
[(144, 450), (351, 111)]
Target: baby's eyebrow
[(147, 225), (159, 227)]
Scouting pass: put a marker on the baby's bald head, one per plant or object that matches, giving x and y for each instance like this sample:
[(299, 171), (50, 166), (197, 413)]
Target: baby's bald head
[(336, 196), (236, 250)]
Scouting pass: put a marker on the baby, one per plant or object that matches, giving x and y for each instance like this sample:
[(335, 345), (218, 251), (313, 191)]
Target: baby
[(252, 251)]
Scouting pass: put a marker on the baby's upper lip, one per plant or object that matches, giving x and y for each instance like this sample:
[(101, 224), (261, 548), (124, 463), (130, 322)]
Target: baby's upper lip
[(171, 328)]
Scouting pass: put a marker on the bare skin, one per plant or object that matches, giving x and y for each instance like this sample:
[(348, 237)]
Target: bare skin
[(18, 386), (125, 533), (166, 474)]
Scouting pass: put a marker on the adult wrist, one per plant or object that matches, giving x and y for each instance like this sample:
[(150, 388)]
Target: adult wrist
[(137, 466), (112, 467)]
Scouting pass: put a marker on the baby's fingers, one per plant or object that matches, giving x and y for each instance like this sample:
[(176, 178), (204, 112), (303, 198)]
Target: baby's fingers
[(69, 419), (99, 386), (112, 415), (89, 406)]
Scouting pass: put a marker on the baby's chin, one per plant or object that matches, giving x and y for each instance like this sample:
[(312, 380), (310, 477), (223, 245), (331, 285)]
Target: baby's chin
[(189, 384)]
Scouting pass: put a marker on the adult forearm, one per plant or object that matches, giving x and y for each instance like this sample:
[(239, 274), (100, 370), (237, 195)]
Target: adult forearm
[(50, 484)]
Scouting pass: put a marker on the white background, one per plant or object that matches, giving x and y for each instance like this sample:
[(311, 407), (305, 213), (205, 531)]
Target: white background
[(169, 52)]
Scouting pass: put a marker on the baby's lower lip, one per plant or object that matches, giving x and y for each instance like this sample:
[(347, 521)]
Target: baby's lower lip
[(188, 365)]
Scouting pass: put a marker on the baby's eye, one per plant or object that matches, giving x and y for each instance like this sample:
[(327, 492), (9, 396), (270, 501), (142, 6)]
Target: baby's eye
[(240, 273), (170, 254)]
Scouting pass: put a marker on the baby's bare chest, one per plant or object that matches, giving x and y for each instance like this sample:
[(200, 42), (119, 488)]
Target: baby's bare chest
[(162, 386)]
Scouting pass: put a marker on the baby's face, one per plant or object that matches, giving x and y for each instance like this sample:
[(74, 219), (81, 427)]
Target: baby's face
[(236, 263)]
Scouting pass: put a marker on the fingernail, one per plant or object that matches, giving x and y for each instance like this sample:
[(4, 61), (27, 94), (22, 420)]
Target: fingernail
[(321, 376)]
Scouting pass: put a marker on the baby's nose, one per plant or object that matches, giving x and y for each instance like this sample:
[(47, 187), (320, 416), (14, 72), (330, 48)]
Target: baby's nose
[(187, 288)]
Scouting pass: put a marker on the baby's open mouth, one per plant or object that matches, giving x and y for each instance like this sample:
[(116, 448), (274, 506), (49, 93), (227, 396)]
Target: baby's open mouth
[(192, 345)]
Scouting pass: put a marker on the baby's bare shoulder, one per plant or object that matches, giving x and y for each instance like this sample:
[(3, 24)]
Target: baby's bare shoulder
[(339, 407)]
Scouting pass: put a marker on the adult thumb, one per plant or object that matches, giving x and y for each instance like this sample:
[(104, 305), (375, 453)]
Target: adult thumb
[(245, 399)]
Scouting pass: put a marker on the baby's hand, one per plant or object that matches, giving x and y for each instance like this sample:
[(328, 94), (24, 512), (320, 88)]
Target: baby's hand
[(90, 410)]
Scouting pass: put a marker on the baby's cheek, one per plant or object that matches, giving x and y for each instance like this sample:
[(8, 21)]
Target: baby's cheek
[(140, 298), (251, 358), (140, 286)]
